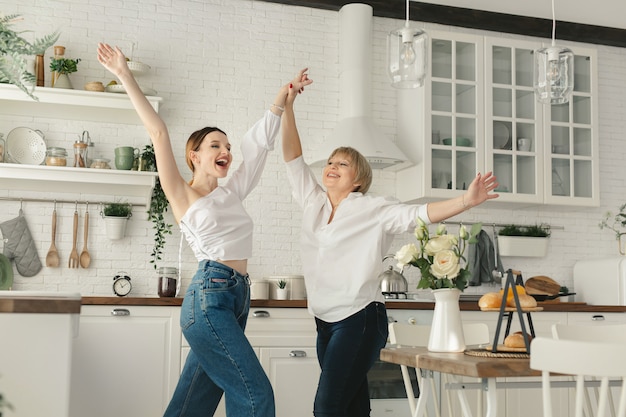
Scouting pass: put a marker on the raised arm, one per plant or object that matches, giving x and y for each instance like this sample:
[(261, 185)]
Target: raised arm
[(172, 182), (479, 191), (292, 148)]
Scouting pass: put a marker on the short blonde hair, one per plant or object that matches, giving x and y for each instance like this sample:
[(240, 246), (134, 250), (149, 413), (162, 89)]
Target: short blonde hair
[(362, 168)]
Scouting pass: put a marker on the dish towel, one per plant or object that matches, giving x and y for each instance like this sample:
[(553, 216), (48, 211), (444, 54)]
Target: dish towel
[(481, 260), (19, 245)]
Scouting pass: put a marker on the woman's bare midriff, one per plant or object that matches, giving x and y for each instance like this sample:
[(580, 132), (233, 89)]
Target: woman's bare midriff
[(239, 265)]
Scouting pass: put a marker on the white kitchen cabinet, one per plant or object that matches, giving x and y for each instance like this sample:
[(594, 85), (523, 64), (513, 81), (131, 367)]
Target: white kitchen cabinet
[(126, 361), (286, 338), (477, 102)]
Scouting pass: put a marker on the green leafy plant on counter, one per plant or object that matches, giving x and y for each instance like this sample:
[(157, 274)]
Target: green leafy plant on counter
[(281, 284), (64, 65), (118, 210), (158, 207), (14, 51), (527, 231)]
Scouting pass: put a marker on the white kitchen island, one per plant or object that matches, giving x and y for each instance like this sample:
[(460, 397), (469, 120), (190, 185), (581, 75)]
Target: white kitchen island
[(36, 351)]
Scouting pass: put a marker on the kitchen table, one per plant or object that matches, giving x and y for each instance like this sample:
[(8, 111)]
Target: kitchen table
[(487, 369)]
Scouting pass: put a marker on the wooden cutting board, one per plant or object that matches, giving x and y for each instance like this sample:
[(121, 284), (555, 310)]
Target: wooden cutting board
[(542, 285)]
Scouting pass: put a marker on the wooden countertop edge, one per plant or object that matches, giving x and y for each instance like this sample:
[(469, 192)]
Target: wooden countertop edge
[(403, 305), (39, 306)]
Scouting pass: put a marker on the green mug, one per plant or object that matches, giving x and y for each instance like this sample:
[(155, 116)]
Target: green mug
[(126, 151), (124, 161)]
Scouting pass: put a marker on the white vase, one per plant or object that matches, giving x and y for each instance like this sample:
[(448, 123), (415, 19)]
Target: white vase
[(115, 227), (63, 81), (446, 332)]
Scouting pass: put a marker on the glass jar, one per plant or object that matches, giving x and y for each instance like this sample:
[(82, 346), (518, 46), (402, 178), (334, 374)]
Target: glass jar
[(168, 281), (80, 155), (100, 163), (56, 157)]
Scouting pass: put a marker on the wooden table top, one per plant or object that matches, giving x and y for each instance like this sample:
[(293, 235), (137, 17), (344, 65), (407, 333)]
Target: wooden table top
[(458, 363)]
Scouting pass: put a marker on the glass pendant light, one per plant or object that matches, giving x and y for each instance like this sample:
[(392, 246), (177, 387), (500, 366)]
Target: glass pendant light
[(554, 71), (407, 55)]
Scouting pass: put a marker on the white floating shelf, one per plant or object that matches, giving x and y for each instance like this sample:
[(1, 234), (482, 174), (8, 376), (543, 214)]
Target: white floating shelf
[(71, 104), (51, 179)]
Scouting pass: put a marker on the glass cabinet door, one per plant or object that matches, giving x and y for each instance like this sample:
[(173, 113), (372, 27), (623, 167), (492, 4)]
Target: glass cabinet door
[(513, 137), (572, 143), (456, 100)]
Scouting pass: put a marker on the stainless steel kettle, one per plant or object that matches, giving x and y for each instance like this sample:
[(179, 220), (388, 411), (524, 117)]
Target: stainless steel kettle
[(392, 281)]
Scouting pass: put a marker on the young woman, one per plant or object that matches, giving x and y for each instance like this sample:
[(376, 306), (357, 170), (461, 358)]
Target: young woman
[(345, 235), (219, 231)]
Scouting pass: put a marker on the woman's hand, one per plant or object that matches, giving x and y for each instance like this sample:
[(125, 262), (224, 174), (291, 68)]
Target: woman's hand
[(297, 85), (480, 188), (112, 59)]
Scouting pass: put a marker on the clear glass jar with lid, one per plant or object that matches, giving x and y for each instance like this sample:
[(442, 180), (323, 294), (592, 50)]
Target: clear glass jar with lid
[(56, 157), (168, 281)]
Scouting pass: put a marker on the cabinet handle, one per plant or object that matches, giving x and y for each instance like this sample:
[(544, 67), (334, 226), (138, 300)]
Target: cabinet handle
[(261, 313), (597, 317), (120, 312), (297, 354)]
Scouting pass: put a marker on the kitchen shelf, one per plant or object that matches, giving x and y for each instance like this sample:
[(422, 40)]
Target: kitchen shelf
[(49, 179), (61, 103)]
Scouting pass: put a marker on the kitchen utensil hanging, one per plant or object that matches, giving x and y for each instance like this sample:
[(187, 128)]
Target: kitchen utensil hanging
[(52, 258)]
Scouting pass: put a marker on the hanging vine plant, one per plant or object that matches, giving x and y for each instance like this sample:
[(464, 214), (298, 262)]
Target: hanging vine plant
[(158, 207)]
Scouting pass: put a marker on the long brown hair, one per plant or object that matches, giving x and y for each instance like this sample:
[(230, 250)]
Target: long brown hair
[(194, 142)]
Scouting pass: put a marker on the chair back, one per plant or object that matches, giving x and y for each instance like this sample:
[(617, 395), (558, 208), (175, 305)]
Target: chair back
[(613, 333), (582, 359)]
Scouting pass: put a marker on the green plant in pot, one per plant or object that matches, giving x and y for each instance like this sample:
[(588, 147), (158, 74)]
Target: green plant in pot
[(116, 216), (158, 207), (529, 241), (14, 53), (62, 67)]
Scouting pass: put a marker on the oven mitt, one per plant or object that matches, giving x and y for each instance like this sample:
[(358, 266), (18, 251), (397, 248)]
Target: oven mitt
[(19, 245)]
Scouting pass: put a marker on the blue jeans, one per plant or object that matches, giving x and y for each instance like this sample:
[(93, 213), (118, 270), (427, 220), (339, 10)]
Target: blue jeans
[(346, 351), (213, 319)]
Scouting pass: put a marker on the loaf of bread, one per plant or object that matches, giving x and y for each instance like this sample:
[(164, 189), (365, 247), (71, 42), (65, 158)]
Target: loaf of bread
[(490, 300), (526, 301), (516, 340)]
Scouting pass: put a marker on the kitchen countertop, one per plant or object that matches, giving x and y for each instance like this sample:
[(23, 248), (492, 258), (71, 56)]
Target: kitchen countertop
[(39, 303), (405, 305)]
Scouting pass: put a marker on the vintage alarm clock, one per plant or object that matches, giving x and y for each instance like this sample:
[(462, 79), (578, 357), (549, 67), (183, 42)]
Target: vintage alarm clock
[(121, 284)]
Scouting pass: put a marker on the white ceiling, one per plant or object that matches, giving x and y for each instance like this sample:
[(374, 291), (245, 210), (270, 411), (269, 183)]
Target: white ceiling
[(609, 13)]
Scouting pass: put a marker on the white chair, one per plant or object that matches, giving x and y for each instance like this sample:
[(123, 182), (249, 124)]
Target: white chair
[(580, 359), (606, 333), (418, 335)]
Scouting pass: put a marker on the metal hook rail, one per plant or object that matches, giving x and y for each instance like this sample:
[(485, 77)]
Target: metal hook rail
[(548, 226), (61, 201)]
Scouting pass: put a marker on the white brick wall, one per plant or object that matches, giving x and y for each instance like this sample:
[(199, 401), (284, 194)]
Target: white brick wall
[(220, 62)]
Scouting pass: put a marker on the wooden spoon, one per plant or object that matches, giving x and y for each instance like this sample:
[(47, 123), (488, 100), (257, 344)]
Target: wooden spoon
[(85, 258), (52, 258)]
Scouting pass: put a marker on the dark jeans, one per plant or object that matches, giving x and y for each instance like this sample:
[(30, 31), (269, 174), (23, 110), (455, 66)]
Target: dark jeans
[(346, 351)]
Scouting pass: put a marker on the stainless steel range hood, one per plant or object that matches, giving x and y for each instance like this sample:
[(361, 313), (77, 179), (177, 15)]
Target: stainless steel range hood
[(355, 127)]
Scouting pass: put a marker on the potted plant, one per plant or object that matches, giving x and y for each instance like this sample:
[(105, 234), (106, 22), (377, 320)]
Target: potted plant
[(617, 224), (517, 240), (62, 67), (158, 206), (281, 291), (116, 216), (14, 51)]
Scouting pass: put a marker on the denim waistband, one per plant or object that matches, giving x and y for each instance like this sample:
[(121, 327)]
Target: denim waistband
[(214, 264)]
